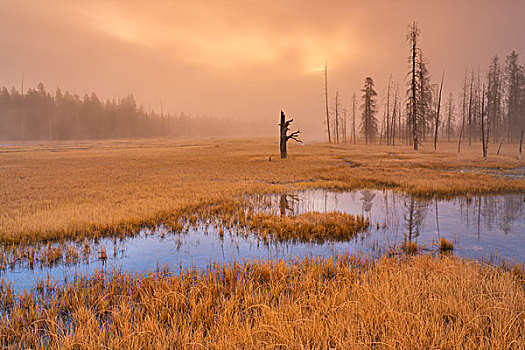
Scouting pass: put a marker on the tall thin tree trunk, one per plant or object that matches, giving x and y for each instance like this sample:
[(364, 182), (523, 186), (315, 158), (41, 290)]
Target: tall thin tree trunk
[(487, 140), (449, 117), (283, 136), (394, 120), (464, 103), (353, 118), (470, 112), (365, 122), (408, 140), (414, 106), (438, 110), (399, 124), (21, 112), (344, 126), (49, 134), (383, 131), (478, 100), (461, 134), (388, 126), (484, 145), (326, 100), (500, 144), (521, 143), (337, 116)]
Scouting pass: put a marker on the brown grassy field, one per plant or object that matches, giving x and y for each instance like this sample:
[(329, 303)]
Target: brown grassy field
[(346, 302), (86, 189), (80, 188)]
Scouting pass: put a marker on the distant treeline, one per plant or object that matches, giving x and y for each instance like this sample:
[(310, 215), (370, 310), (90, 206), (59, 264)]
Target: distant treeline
[(39, 115)]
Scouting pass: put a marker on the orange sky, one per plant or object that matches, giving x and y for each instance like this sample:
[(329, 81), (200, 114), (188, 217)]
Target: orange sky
[(246, 58)]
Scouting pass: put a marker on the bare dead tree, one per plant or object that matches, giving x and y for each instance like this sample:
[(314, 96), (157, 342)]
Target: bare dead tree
[(521, 143), (394, 114), (407, 126), (500, 144), (284, 127), (22, 132), (383, 128), (337, 116), (344, 125), (326, 100), (353, 117), (399, 125), (484, 137), (438, 110), (48, 116), (470, 110), (463, 114), (488, 121), (412, 38), (477, 105), (450, 113), (388, 126), (461, 136)]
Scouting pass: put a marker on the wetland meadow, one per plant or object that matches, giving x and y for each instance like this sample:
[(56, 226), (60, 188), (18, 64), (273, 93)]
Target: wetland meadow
[(213, 244)]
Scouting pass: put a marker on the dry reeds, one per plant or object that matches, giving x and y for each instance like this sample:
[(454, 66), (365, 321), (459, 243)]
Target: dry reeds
[(445, 245), (410, 247), (309, 227), (344, 302), (47, 254)]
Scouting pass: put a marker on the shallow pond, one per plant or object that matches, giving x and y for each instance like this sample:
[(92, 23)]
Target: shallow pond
[(481, 227), (509, 174)]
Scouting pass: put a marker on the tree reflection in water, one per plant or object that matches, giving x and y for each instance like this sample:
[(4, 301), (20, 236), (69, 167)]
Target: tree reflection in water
[(415, 212), (367, 198), (286, 203)]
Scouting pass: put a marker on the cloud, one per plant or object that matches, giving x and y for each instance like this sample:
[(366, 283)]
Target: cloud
[(222, 35)]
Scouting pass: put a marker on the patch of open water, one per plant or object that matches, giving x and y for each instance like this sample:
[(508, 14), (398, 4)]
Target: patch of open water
[(510, 174), (481, 226)]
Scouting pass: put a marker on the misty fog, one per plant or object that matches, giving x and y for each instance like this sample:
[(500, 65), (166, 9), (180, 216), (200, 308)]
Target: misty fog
[(234, 64)]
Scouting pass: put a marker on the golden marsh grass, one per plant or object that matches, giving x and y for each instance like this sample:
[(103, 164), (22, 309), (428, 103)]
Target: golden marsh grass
[(445, 245), (105, 188), (87, 190), (314, 227), (346, 302)]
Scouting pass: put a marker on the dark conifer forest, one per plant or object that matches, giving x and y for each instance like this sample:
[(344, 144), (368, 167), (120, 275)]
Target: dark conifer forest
[(37, 114)]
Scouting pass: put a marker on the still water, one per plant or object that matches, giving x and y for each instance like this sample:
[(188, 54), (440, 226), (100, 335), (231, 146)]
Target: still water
[(481, 227)]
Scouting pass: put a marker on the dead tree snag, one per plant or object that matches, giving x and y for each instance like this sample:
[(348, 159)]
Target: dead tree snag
[(284, 127)]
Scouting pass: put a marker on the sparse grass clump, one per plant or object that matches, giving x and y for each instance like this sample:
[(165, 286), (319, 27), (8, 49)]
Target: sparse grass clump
[(345, 302), (48, 254), (410, 247), (445, 245)]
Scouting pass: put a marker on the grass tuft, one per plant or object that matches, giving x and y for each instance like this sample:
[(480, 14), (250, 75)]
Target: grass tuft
[(410, 247), (445, 245)]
